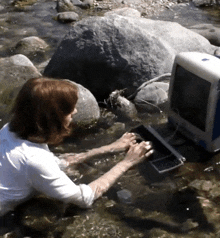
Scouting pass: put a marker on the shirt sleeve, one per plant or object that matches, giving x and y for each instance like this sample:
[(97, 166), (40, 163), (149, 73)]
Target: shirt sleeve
[(45, 176)]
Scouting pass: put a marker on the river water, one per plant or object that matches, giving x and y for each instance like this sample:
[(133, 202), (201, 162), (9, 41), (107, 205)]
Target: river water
[(182, 203)]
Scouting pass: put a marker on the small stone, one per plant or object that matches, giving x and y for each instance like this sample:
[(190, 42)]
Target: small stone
[(67, 16), (110, 203), (125, 196), (207, 185)]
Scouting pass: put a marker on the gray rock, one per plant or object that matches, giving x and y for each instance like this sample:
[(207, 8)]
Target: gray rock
[(1, 8), (151, 96), (217, 52), (210, 32), (15, 71), (72, 5), (88, 111), (202, 3), (199, 3), (121, 106), (42, 66), (116, 52), (65, 5), (30, 46), (67, 16), (126, 11), (125, 196)]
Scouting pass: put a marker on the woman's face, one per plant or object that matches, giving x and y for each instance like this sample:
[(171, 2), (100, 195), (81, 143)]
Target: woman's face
[(69, 117)]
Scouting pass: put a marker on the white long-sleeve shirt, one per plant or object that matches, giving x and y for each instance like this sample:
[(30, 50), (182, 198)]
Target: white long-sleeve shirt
[(26, 167)]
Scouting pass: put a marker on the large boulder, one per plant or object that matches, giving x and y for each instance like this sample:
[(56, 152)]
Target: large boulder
[(88, 111), (15, 71), (116, 52)]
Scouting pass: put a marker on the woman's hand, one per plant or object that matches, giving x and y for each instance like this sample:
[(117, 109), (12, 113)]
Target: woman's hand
[(138, 152), (123, 143)]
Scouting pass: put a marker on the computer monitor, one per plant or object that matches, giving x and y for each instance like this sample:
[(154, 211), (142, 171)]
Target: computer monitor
[(194, 98)]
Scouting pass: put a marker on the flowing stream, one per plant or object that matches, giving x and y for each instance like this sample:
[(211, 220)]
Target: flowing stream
[(183, 203)]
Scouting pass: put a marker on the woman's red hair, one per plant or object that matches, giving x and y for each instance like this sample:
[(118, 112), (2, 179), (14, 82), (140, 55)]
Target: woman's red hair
[(41, 108)]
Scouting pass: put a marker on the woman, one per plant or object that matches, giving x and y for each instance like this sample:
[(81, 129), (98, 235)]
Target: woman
[(42, 115)]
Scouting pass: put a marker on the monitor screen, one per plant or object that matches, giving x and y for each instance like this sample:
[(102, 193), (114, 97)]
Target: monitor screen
[(190, 96)]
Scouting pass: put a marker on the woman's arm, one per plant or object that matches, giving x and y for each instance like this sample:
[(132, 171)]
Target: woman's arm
[(120, 145), (136, 154), (45, 176)]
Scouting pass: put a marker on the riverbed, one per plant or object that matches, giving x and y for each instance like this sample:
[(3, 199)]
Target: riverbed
[(181, 203)]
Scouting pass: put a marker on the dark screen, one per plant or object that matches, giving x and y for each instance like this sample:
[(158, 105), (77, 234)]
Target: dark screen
[(190, 97)]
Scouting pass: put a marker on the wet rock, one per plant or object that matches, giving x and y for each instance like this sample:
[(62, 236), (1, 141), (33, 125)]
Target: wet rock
[(124, 196), (23, 3), (157, 232), (67, 16), (210, 32), (196, 184), (30, 46), (199, 3), (15, 71), (110, 203), (207, 186), (215, 192), (71, 5), (127, 11), (107, 118), (150, 97), (212, 215), (117, 52), (189, 224), (202, 3), (217, 52), (117, 128), (88, 110), (42, 66), (1, 7), (65, 5), (122, 106), (202, 185)]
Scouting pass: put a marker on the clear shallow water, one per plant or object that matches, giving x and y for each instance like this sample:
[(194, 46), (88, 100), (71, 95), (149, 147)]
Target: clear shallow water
[(162, 205), (188, 15)]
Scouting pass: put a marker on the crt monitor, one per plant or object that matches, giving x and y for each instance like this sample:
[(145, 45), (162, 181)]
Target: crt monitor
[(194, 98)]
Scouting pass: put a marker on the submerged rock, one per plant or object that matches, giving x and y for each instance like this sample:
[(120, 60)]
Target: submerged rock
[(72, 5), (31, 46)]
